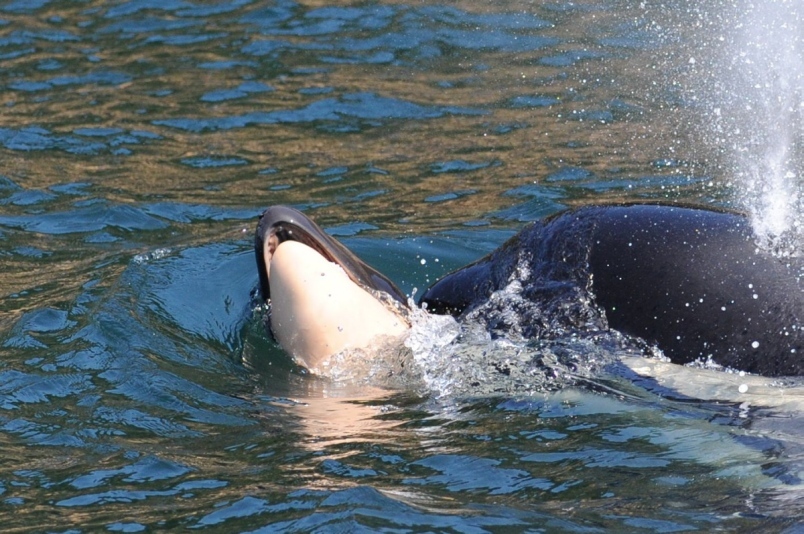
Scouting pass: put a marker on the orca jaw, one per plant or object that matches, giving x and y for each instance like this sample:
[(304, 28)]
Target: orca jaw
[(324, 299), (278, 224), (318, 311)]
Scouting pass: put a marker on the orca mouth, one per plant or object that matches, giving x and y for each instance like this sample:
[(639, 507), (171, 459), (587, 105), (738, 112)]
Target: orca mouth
[(282, 223)]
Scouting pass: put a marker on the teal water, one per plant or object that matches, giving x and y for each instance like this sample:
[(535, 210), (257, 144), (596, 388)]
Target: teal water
[(140, 140)]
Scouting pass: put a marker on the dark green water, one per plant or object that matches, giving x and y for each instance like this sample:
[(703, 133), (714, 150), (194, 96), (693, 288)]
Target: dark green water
[(140, 140)]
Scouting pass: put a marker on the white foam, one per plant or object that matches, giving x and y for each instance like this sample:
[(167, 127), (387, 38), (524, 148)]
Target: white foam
[(760, 112)]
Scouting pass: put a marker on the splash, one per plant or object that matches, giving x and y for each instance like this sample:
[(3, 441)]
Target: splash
[(773, 73), (428, 342), (469, 359), (758, 110)]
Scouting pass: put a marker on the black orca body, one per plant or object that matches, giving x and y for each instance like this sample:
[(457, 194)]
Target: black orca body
[(692, 281)]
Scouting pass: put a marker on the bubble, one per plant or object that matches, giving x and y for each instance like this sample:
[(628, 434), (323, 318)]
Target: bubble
[(157, 254)]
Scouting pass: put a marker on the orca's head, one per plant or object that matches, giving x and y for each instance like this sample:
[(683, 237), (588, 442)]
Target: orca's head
[(281, 223), (323, 298)]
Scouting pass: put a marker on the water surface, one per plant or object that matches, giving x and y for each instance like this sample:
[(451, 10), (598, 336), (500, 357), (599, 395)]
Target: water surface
[(141, 139)]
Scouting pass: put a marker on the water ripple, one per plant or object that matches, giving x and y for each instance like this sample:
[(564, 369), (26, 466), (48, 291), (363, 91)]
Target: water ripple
[(24, 388), (462, 473), (98, 216), (34, 138), (363, 106)]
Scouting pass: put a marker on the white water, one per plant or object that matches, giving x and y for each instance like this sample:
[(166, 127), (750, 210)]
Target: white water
[(756, 93)]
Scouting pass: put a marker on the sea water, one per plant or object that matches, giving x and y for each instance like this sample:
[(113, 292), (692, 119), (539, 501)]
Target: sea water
[(140, 141)]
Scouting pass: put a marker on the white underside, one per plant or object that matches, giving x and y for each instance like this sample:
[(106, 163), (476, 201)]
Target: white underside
[(316, 309), (749, 390)]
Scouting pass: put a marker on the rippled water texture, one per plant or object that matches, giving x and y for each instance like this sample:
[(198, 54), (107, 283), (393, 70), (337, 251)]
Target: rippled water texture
[(139, 141)]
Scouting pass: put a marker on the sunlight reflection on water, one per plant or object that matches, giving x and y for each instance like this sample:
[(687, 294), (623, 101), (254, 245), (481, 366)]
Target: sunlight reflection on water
[(141, 139)]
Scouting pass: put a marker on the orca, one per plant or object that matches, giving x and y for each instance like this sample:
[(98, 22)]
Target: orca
[(690, 280), (324, 299)]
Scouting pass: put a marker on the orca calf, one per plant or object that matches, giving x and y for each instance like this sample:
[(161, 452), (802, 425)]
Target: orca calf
[(324, 299)]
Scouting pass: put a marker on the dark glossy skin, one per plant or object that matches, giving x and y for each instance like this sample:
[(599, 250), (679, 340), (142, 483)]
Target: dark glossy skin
[(283, 223), (690, 280)]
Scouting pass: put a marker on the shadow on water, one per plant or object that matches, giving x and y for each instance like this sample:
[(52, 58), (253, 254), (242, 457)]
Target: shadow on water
[(140, 140)]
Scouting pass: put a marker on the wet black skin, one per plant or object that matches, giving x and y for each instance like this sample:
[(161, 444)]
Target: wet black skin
[(689, 280), (285, 223)]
